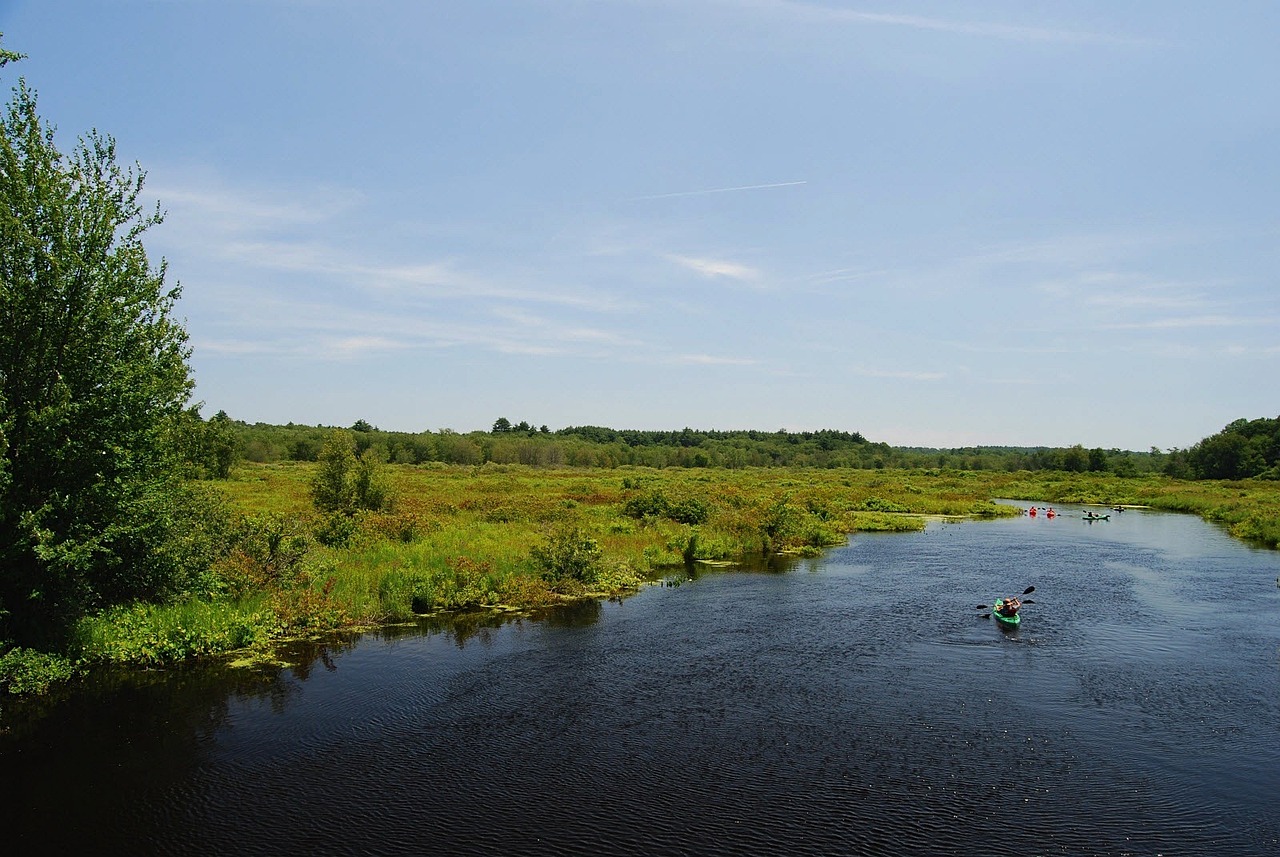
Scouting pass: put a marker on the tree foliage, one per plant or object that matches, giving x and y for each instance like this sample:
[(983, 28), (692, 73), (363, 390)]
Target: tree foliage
[(347, 483), (206, 449), (596, 446), (569, 554), (1243, 449), (93, 374)]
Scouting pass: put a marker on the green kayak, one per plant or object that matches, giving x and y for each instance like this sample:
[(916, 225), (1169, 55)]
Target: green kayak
[(1010, 621)]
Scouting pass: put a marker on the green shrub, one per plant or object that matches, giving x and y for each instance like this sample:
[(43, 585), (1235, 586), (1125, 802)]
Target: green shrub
[(159, 634), (651, 504), (663, 556), (267, 552), (876, 504), (337, 530), (346, 482), (655, 504), (26, 671), (690, 510), (568, 554), (779, 524)]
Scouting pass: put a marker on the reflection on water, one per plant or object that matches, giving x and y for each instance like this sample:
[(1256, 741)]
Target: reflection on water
[(852, 704)]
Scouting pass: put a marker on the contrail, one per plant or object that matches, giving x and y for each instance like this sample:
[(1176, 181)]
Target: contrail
[(715, 190)]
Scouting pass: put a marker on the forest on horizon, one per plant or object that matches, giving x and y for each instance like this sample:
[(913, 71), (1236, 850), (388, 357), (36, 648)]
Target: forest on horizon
[(1244, 448)]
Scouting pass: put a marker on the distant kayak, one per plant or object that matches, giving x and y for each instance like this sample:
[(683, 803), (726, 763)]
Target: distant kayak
[(1089, 516)]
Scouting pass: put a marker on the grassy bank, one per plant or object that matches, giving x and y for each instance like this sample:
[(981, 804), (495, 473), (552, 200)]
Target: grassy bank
[(497, 537), (514, 538)]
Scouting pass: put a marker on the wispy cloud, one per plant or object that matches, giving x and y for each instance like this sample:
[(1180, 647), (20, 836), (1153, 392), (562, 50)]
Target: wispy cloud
[(716, 268), (297, 233), (827, 15), (358, 345), (844, 274), (235, 347), (559, 331), (1197, 321), (438, 279), (715, 190), (1235, 350), (714, 360), (898, 374), (222, 208)]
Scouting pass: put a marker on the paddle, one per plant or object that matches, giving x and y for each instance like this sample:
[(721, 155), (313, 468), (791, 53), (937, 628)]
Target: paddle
[(1027, 591), (988, 606)]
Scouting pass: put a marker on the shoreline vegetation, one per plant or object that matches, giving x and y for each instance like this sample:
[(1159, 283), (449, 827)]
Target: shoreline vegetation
[(516, 539)]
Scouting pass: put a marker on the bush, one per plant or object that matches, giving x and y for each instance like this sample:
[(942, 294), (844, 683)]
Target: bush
[(691, 510), (568, 555), (346, 483), (780, 524), (154, 634), (309, 610), (337, 530), (26, 671), (654, 504), (267, 553), (876, 504)]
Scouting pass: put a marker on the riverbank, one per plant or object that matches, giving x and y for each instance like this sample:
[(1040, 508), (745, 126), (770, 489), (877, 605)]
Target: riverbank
[(518, 538)]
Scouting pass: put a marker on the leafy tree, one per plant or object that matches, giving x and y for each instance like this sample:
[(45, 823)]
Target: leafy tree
[(207, 449), (1226, 455), (1243, 449), (332, 489), (369, 482), (93, 374), (1075, 459), (347, 483)]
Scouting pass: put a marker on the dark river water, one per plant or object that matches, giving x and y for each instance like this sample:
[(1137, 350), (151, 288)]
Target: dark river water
[(852, 704)]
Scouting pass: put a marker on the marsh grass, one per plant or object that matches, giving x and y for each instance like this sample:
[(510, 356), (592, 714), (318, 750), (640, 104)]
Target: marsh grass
[(462, 538)]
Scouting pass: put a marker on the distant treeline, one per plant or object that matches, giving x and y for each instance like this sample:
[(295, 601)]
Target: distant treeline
[(598, 446)]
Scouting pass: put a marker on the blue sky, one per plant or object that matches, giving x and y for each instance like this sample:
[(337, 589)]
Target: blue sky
[(936, 223)]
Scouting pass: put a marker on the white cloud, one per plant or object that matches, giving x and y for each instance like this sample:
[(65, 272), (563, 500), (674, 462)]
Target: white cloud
[(716, 190), (217, 206), (713, 360), (899, 374), (716, 268), (352, 346)]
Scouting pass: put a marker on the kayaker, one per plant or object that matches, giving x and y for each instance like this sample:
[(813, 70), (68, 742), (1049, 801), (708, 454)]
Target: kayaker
[(1008, 606)]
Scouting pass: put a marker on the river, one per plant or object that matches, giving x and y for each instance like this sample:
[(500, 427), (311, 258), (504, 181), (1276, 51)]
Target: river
[(855, 703)]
